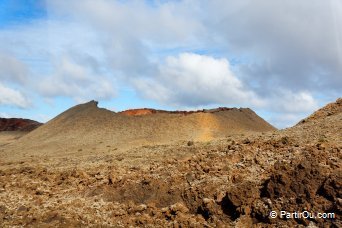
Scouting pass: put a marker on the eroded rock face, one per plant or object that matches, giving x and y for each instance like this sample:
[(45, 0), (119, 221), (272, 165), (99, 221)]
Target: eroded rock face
[(15, 124)]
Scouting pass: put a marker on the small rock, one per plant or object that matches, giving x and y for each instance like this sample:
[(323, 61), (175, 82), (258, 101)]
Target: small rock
[(141, 207), (179, 207), (220, 196), (246, 141), (190, 143), (22, 208), (206, 169), (339, 201), (207, 200), (39, 192), (164, 209), (3, 209), (119, 212)]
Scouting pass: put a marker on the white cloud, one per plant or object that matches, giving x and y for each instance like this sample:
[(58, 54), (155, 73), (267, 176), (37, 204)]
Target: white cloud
[(285, 120), (4, 115), (293, 45), (77, 81), (59, 59), (286, 53), (168, 22), (13, 70), (290, 102), (130, 33), (288, 108), (196, 80), (12, 97)]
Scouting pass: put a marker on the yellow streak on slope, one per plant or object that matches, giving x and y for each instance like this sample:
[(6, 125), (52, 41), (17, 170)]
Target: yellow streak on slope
[(208, 125)]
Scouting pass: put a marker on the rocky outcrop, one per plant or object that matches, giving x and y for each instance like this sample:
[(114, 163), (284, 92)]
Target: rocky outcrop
[(15, 124)]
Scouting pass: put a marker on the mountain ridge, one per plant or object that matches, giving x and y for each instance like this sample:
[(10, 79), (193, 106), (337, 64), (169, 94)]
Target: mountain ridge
[(84, 126)]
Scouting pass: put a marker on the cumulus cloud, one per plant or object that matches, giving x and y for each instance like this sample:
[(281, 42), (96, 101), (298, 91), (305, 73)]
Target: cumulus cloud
[(12, 97), (66, 61), (290, 102), (100, 44), (13, 70), (291, 44), (276, 56), (77, 81), (196, 80), (286, 120), (166, 23), (287, 107), (131, 32)]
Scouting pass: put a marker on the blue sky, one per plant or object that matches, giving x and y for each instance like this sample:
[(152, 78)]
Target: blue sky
[(273, 56), (15, 11)]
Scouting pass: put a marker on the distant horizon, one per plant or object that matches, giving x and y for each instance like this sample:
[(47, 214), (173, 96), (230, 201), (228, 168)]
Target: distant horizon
[(167, 110), (115, 110), (271, 56)]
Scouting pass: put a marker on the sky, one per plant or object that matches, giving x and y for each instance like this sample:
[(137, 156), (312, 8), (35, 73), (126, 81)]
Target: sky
[(283, 59)]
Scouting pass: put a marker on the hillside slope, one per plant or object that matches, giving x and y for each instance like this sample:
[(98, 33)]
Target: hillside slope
[(322, 126), (88, 128), (331, 109)]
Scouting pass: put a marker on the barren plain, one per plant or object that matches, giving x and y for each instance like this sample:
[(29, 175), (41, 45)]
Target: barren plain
[(148, 168)]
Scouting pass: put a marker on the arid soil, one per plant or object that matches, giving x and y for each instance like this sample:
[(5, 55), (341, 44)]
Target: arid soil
[(8, 137), (233, 180)]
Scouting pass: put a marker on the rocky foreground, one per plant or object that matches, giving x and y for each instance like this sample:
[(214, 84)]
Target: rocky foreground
[(232, 182)]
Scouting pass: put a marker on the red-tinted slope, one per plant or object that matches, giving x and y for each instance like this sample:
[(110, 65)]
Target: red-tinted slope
[(16, 124)]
